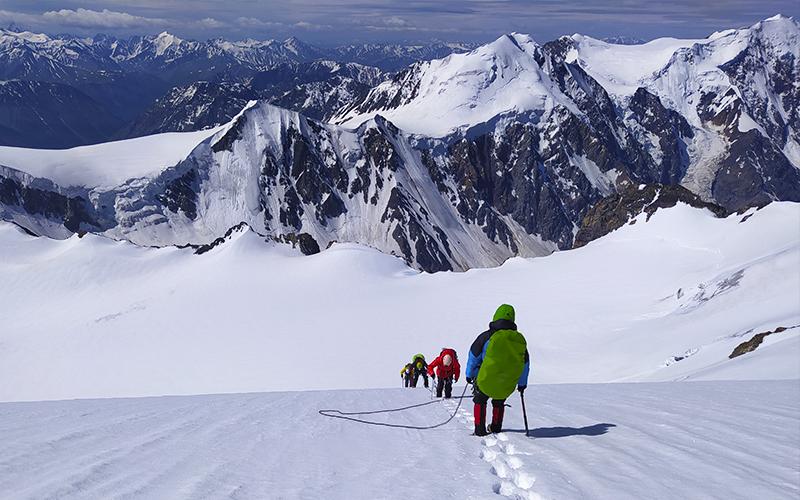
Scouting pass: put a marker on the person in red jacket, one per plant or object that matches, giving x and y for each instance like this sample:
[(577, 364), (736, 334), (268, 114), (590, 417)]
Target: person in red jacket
[(445, 367)]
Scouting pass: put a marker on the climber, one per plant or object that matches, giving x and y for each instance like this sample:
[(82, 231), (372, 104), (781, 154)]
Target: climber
[(420, 368), (445, 367), (406, 373), (498, 361)]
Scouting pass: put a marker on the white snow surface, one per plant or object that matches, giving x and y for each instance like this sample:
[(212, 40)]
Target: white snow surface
[(732, 440), (622, 68), (466, 89), (91, 317), (106, 165)]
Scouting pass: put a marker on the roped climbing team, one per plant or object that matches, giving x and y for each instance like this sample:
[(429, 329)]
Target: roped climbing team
[(498, 362)]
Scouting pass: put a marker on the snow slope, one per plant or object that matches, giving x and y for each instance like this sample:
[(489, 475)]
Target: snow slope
[(466, 89), (106, 165), (732, 440), (621, 69), (92, 317)]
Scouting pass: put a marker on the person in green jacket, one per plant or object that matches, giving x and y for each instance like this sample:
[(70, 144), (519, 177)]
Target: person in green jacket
[(498, 361), (420, 369)]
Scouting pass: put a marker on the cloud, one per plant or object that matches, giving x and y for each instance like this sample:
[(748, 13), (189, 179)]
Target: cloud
[(396, 21), (253, 22), (210, 23), (86, 18), (311, 26), (7, 17)]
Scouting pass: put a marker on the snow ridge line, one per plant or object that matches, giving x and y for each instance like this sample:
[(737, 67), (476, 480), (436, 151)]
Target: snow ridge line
[(513, 480)]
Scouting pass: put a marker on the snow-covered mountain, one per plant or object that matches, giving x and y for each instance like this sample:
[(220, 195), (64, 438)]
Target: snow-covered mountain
[(317, 89), (739, 91), (290, 178), (39, 56), (36, 56), (466, 161), (59, 192), (134, 80), (718, 115)]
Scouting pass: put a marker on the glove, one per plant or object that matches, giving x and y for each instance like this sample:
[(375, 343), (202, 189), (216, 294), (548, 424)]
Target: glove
[(521, 388), (470, 380)]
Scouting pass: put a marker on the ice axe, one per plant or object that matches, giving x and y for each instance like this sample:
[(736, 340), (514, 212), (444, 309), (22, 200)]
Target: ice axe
[(524, 413)]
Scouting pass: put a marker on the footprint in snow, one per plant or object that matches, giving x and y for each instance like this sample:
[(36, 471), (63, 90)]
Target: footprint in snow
[(514, 482)]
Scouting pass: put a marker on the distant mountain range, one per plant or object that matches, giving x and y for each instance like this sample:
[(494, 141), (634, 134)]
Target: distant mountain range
[(130, 81), (513, 148)]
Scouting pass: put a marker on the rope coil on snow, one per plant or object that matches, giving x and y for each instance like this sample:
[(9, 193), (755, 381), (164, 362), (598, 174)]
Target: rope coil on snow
[(347, 415)]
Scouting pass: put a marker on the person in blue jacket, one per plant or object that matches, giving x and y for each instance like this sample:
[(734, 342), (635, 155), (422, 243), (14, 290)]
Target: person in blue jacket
[(498, 361)]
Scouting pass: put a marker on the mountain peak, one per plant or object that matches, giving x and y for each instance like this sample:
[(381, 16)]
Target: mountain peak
[(511, 41), (778, 17), (164, 41), (27, 36)]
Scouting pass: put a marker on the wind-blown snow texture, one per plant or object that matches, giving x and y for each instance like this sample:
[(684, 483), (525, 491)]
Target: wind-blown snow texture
[(664, 299), (733, 440)]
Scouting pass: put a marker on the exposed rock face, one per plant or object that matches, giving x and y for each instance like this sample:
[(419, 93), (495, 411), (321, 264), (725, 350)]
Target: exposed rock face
[(752, 344), (615, 211), (196, 106), (671, 129), (754, 171), (37, 203)]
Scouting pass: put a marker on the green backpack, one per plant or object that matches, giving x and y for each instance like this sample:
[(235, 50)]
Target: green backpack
[(502, 364)]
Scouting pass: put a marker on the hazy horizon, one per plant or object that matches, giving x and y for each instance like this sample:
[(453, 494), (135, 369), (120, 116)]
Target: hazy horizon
[(329, 23)]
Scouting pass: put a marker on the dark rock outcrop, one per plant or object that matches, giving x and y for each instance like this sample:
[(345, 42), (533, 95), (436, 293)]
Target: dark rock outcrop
[(47, 201), (752, 344), (615, 211)]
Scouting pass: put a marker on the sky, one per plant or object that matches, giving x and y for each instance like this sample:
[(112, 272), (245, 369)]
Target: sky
[(333, 22)]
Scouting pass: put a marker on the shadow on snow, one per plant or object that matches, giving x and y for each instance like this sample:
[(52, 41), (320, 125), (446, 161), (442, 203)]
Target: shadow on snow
[(558, 432)]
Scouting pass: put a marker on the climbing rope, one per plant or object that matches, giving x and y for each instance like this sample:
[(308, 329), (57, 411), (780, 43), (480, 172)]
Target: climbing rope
[(348, 415)]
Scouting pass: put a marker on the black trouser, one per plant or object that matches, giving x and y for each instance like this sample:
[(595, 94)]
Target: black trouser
[(417, 373), (446, 384), (407, 380), (480, 398)]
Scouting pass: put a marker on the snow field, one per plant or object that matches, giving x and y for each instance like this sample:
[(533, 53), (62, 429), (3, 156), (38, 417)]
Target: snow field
[(91, 317), (733, 440)]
